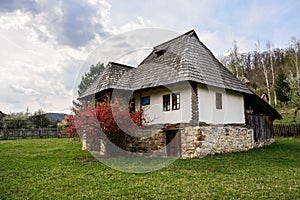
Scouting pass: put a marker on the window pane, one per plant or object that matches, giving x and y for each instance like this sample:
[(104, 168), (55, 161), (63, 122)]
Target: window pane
[(145, 100), (166, 102), (218, 101), (175, 101)]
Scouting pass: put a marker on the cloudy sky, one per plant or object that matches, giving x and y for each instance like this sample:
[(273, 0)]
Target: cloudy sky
[(44, 43)]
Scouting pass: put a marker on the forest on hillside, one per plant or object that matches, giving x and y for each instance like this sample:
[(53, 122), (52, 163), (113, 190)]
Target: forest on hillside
[(270, 72)]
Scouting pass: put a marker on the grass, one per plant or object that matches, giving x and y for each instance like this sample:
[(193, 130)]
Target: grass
[(287, 113), (58, 169)]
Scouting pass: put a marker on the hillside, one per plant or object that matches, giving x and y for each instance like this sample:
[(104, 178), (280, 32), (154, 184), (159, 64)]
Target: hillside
[(56, 116)]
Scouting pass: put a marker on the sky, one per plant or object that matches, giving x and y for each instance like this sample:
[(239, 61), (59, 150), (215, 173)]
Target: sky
[(45, 43)]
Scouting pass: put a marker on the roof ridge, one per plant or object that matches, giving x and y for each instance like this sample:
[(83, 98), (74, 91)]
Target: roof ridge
[(187, 33), (119, 64)]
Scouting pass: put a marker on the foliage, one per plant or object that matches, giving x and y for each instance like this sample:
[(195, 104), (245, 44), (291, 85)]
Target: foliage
[(113, 119), (16, 121), (233, 61), (294, 83), (260, 67), (86, 80), (287, 114), (282, 87), (24, 120), (40, 119), (58, 169), (68, 126)]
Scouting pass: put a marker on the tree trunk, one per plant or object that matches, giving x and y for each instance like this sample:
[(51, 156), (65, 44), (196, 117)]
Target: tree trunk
[(296, 63), (275, 98), (273, 77), (268, 87)]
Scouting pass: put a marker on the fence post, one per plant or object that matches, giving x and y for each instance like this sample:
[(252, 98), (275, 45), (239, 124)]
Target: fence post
[(23, 133), (5, 135)]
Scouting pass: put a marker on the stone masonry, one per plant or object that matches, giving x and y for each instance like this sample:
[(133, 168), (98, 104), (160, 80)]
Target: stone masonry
[(200, 141), (196, 141)]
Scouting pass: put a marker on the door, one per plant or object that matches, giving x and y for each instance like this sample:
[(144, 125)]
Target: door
[(173, 143)]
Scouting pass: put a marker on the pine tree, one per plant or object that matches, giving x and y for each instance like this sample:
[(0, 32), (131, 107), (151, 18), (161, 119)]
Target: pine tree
[(89, 77), (282, 87), (86, 80)]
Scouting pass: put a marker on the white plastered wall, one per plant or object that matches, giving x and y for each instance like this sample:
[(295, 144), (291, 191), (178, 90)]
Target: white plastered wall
[(154, 112), (232, 111)]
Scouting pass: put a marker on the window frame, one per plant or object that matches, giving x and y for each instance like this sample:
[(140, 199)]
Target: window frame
[(176, 101), (166, 102), (147, 99), (219, 102)]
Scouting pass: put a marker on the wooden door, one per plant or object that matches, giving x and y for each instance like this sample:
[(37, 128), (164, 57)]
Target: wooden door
[(173, 143)]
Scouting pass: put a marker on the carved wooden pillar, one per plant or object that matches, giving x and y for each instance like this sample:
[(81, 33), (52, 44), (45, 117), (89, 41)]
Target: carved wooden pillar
[(194, 101)]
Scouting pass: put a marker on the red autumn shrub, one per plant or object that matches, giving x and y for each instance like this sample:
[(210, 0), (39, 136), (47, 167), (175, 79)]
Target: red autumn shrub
[(69, 127), (113, 119)]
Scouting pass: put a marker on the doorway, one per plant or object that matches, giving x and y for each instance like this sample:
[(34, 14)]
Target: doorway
[(173, 142)]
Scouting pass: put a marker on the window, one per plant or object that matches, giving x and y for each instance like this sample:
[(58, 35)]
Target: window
[(166, 102), (218, 101), (145, 100), (160, 52), (175, 101)]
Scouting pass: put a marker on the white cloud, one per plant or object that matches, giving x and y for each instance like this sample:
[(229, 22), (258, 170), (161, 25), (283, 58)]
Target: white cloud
[(32, 69), (44, 44), (137, 23), (42, 61)]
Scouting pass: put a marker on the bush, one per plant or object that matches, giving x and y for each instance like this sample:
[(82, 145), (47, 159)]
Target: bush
[(112, 119)]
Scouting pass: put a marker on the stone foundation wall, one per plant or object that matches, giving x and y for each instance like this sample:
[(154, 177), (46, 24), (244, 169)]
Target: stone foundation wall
[(201, 141), (196, 141), (149, 140), (264, 143)]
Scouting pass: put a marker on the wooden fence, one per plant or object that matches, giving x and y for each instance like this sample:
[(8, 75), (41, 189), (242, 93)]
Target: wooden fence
[(287, 130), (31, 133)]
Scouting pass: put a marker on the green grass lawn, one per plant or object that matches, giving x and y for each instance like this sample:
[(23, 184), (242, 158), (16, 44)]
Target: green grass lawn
[(58, 169), (288, 115)]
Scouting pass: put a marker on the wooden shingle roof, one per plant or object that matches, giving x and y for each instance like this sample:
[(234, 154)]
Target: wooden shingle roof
[(184, 58), (115, 76)]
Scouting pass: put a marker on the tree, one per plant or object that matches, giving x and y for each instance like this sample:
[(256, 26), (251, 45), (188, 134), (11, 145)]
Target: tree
[(282, 87), (261, 60), (294, 83), (294, 54), (40, 119), (271, 55), (234, 61), (16, 121), (86, 80)]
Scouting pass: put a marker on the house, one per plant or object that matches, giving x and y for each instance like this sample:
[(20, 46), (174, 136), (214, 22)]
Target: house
[(194, 104)]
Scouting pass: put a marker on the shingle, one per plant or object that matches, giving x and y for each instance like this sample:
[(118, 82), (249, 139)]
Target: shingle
[(184, 58), (115, 76)]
